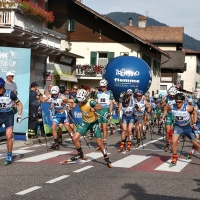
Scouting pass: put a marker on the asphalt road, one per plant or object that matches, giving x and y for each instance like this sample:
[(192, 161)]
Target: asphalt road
[(140, 174)]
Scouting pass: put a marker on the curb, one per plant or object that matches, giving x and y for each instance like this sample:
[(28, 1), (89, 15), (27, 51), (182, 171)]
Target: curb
[(42, 139)]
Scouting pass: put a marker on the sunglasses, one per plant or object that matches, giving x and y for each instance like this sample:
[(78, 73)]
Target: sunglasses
[(179, 102), (139, 95), (75, 88), (103, 86), (12, 76)]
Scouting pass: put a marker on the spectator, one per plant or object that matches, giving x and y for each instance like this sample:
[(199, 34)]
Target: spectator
[(49, 87), (34, 102), (46, 96), (73, 93), (9, 84), (67, 93)]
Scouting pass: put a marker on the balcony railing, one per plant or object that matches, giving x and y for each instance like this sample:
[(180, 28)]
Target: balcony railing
[(80, 72)]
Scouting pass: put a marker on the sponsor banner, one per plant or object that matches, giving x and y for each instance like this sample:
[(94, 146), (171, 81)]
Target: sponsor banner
[(17, 61)]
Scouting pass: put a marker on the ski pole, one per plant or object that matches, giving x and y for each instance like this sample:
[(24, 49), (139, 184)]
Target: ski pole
[(182, 146)]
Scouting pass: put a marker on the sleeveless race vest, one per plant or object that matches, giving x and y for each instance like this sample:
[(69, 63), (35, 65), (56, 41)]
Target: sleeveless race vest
[(182, 117), (87, 115), (6, 104), (104, 98), (198, 112), (141, 105), (128, 110), (57, 102)]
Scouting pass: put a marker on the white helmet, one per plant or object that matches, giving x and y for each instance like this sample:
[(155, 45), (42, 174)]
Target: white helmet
[(156, 96), (82, 95), (55, 90), (129, 91), (103, 82), (172, 91), (190, 100)]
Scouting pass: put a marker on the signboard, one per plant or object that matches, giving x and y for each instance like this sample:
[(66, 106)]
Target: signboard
[(17, 60)]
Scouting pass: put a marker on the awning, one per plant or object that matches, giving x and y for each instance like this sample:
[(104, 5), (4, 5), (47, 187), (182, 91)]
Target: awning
[(67, 78)]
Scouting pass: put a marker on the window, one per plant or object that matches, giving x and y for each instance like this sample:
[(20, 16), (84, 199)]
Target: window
[(185, 67), (147, 59), (182, 84), (198, 69), (155, 67), (163, 87), (101, 58), (71, 25)]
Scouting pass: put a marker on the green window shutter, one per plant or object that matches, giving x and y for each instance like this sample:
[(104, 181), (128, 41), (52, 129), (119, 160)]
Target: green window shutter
[(182, 84), (111, 55), (185, 67), (197, 69), (158, 68), (73, 25), (93, 58)]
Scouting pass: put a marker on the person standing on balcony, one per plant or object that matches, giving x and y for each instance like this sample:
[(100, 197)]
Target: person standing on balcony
[(104, 97), (9, 84)]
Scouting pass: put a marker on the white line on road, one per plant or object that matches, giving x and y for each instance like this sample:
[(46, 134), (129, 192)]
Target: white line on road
[(44, 156), (181, 163), (57, 179), (83, 169), (28, 190), (149, 143), (130, 161), (16, 152)]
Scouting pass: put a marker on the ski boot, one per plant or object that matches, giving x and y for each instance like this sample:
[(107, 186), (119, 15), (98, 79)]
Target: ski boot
[(78, 156), (55, 146), (8, 159), (108, 161), (111, 130), (174, 160), (144, 136), (191, 153), (121, 147), (128, 149), (60, 140), (167, 146), (137, 143)]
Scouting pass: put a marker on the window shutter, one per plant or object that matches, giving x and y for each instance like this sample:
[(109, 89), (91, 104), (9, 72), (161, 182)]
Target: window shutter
[(111, 55), (158, 68), (182, 84), (93, 58), (73, 25), (197, 69), (185, 67), (68, 24)]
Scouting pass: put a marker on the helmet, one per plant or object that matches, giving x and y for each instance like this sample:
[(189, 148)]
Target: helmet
[(2, 82), (103, 82), (129, 91), (62, 89), (190, 100), (172, 90), (126, 98), (140, 92), (156, 96), (180, 96), (55, 90), (82, 95)]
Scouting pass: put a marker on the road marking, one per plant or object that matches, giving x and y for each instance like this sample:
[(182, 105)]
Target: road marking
[(17, 152), (28, 190), (181, 163), (57, 179), (44, 156), (153, 141), (92, 156), (130, 161), (83, 169)]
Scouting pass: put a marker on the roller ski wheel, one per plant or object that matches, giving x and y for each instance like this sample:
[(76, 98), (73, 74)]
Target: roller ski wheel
[(55, 146), (189, 156)]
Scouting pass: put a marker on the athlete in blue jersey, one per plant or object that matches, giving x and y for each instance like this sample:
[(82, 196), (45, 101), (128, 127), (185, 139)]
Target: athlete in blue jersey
[(184, 116), (7, 101)]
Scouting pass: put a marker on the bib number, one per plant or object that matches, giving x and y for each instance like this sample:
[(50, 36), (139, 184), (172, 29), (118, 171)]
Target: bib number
[(179, 118), (2, 105)]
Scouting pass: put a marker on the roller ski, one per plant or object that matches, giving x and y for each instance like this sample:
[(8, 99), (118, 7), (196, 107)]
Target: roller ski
[(108, 161), (121, 147), (174, 161), (55, 146), (189, 156), (79, 156), (8, 160), (144, 137), (128, 149)]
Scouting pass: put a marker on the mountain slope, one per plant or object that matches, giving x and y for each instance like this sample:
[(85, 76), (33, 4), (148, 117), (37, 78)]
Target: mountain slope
[(122, 18)]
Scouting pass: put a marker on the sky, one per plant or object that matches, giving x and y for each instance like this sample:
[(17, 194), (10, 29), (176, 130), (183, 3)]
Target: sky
[(184, 13)]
